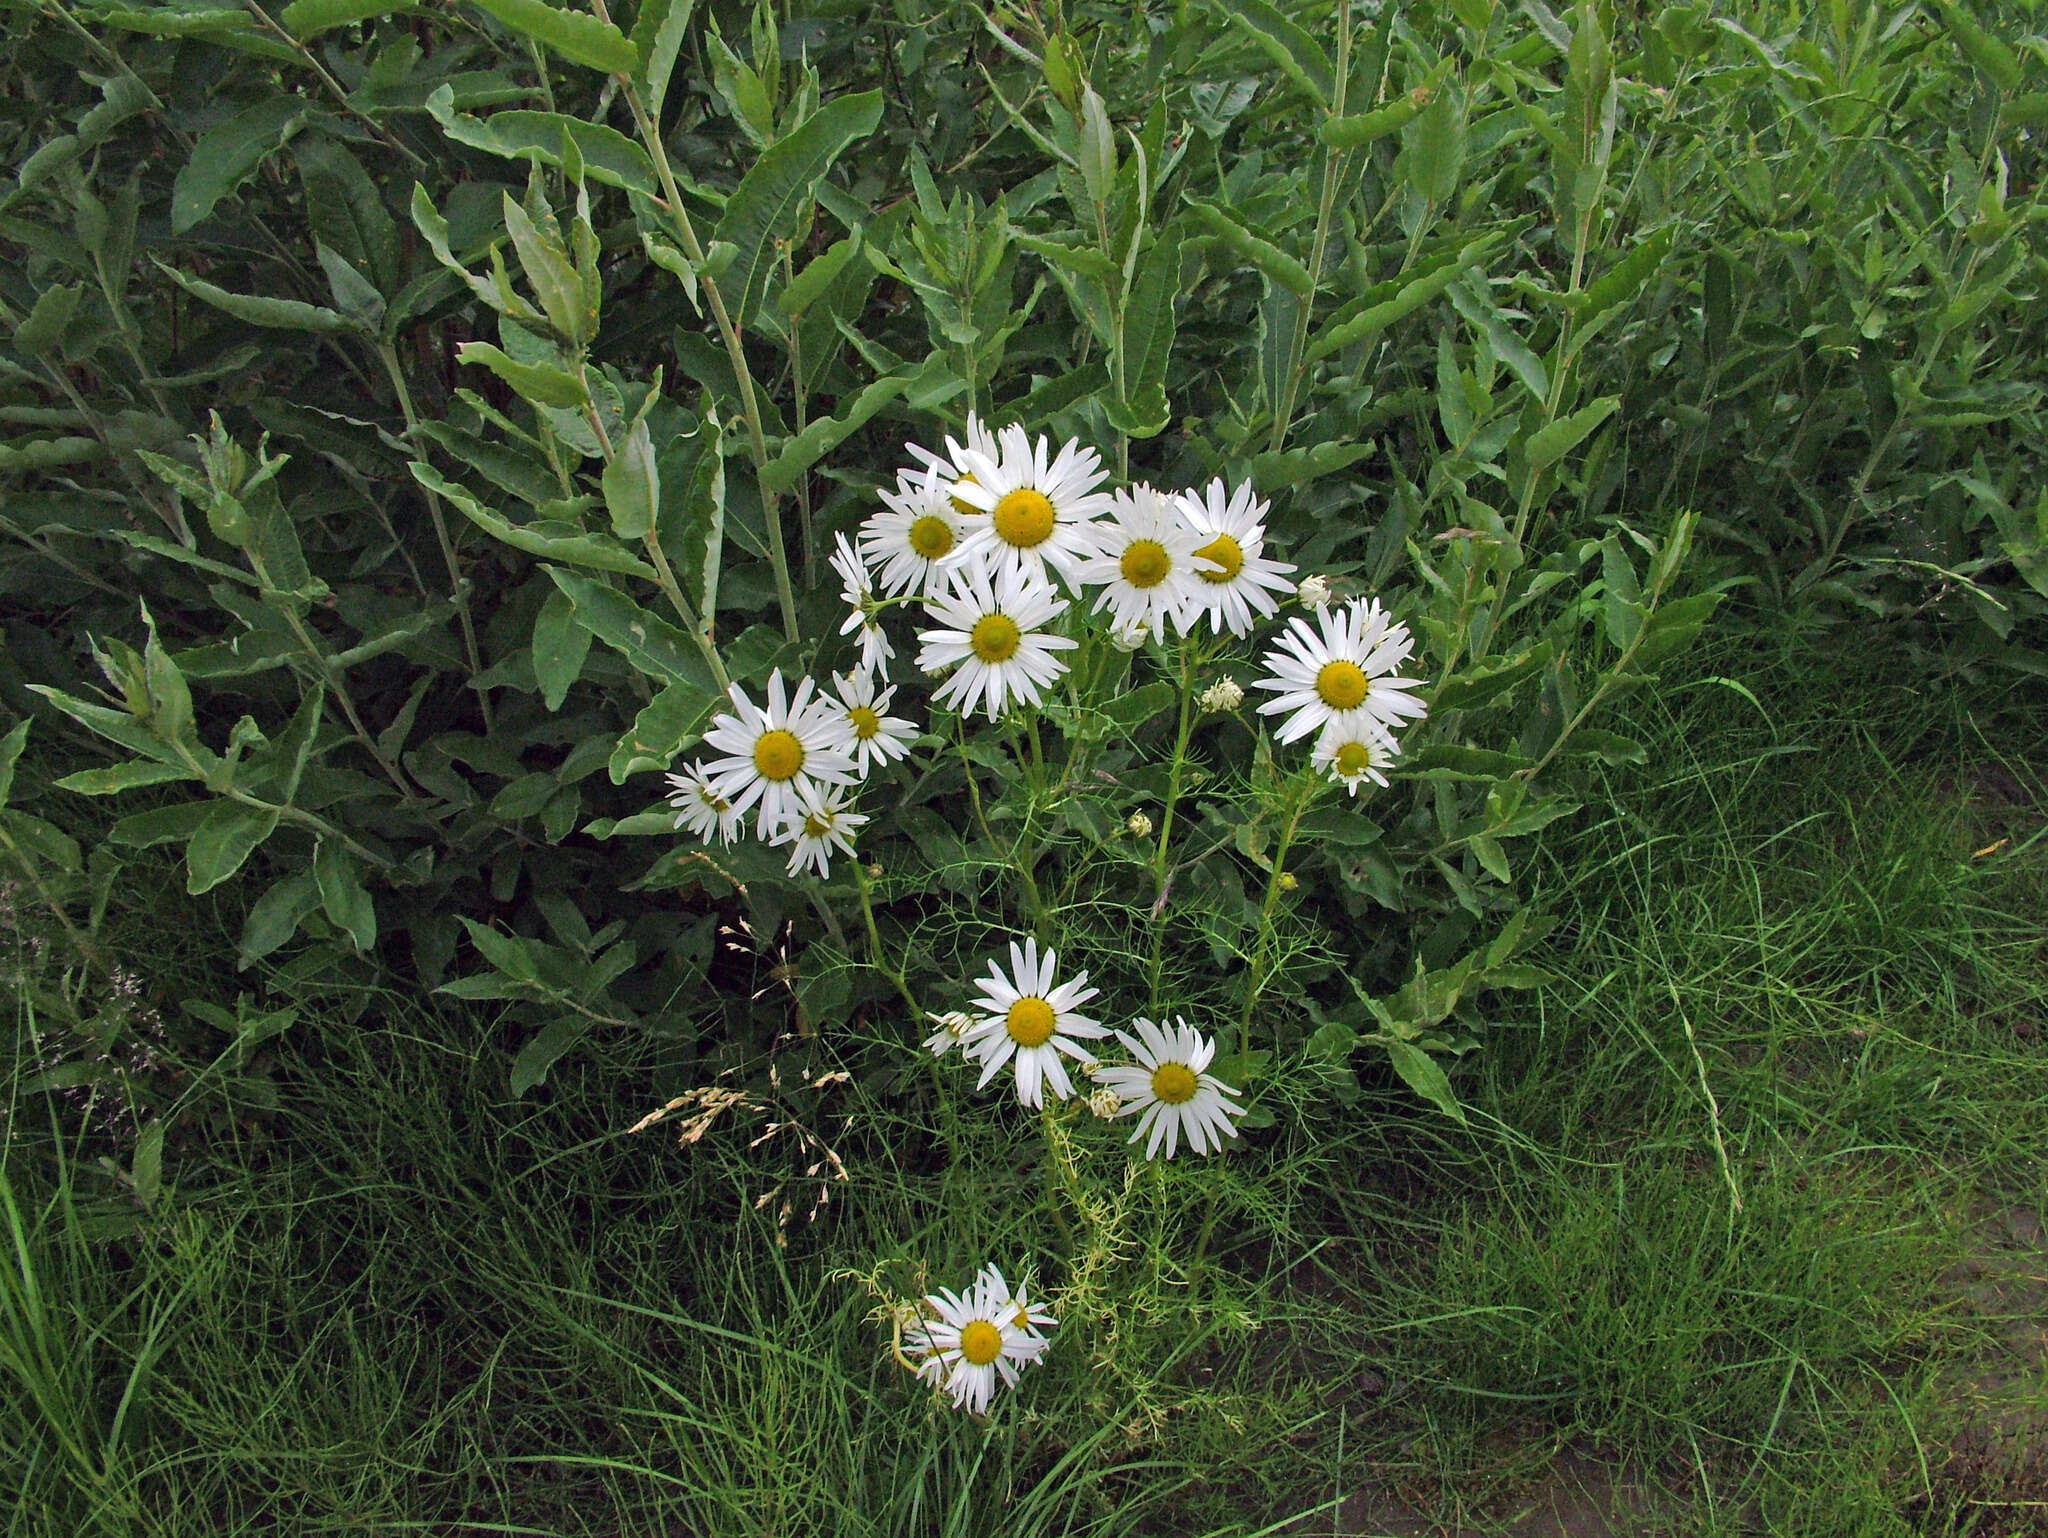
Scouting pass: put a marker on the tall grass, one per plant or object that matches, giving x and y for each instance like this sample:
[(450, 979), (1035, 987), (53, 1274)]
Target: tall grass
[(1703, 1226)]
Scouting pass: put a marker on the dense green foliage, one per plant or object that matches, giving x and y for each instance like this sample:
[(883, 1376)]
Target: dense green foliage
[(469, 392)]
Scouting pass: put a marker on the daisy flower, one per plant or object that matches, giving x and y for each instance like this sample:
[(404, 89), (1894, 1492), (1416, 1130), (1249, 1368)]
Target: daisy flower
[(990, 626), (1343, 677), (775, 757), (864, 731), (953, 1029), (1039, 505), (858, 589), (823, 826), (1170, 1086), (952, 466), (1024, 1314), (918, 527), (973, 1340), (1025, 1017), (1145, 557), (1237, 581), (700, 809), (1353, 757)]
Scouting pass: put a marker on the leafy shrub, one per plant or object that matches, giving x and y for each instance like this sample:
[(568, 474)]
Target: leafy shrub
[(472, 336)]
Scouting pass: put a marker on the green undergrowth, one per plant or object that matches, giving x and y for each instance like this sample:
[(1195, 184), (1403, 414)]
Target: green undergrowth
[(1703, 1227)]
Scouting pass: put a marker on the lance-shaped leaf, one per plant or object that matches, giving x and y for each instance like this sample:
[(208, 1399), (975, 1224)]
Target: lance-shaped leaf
[(279, 314), (1550, 444), (229, 152), (309, 18), (537, 382), (575, 35), (226, 836), (551, 539), (827, 433), (1256, 249), (1288, 44), (772, 195), (1148, 340), (658, 30), (608, 155), (649, 642)]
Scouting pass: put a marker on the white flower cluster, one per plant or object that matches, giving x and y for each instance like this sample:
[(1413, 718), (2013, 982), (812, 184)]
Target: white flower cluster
[(967, 1340), (996, 538), (1025, 1020)]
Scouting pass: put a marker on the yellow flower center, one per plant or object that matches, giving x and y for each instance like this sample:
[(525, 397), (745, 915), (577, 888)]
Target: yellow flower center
[(1030, 1022), (1225, 552), (816, 826), (1173, 1083), (1024, 518), (967, 509), (980, 1342), (866, 722), (778, 754), (931, 536), (1145, 563), (1353, 758), (995, 638), (1341, 685)]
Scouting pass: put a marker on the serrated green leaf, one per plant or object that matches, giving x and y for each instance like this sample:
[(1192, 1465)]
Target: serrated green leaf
[(343, 897), (1988, 52), (1256, 249), (608, 155), (551, 540), (821, 437), (666, 724), (1083, 261), (560, 646), (658, 30), (276, 915), (109, 782), (1411, 297), (1423, 1074), (43, 327), (772, 195), (1550, 444), (226, 836), (649, 642), (1148, 340), (229, 153), (309, 18), (1300, 57), (10, 755), (544, 1050), (279, 314), (575, 35), (539, 383)]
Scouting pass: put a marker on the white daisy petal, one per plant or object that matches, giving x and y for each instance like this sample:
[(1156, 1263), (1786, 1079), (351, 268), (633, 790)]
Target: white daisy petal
[(972, 1340), (1145, 561), (1237, 583), (1342, 677), (1028, 1021), (1039, 508), (1171, 1091), (990, 630), (774, 756)]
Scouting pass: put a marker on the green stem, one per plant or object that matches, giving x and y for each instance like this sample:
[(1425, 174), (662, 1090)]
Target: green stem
[(1161, 870), (1333, 171), (458, 590), (1299, 797), (750, 404)]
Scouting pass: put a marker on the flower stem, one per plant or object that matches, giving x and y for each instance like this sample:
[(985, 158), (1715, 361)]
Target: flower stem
[(1298, 799)]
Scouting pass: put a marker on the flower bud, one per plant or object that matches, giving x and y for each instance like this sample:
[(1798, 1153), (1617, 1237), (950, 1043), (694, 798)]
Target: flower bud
[(1104, 1102), (1221, 697), (1139, 824), (1314, 591)]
